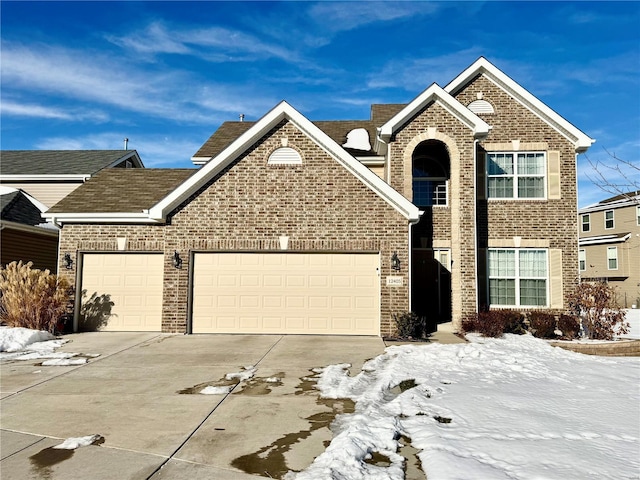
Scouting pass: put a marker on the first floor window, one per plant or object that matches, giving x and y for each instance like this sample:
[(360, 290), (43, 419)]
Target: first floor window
[(516, 174), (582, 259), (612, 258), (517, 277)]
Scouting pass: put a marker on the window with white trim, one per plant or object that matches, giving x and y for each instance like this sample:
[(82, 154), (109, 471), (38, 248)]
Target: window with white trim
[(612, 258), (518, 277), (582, 259), (516, 174), (608, 219), (586, 223), (638, 216)]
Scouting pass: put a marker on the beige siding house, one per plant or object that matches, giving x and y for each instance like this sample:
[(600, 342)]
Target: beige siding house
[(610, 245), (462, 199)]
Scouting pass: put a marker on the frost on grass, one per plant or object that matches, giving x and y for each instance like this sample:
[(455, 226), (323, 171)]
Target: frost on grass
[(511, 408)]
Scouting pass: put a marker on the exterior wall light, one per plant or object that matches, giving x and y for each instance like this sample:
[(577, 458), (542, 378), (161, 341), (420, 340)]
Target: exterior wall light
[(395, 261), (177, 261), (68, 262)]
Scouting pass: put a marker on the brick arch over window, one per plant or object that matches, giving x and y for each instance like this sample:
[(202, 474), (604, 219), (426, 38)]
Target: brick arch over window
[(454, 205)]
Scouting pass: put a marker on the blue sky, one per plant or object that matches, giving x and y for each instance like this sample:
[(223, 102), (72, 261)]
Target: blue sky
[(85, 75)]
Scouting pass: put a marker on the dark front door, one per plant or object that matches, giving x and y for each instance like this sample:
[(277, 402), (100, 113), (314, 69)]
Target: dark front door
[(431, 286)]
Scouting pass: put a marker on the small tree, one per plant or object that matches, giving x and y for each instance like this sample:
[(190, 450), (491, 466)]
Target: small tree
[(595, 304), (32, 298)]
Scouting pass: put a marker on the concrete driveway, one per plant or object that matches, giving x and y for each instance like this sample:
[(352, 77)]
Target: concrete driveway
[(140, 396)]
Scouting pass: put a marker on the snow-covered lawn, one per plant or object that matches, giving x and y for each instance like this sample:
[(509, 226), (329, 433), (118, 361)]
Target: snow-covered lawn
[(510, 408)]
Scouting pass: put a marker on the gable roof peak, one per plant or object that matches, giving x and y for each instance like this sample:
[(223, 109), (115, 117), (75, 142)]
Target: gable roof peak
[(482, 66)]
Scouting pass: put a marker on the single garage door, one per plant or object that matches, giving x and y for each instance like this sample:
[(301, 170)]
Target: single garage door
[(133, 283), (295, 293)]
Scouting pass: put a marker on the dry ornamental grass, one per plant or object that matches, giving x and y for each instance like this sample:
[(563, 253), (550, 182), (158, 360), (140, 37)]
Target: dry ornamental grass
[(32, 298)]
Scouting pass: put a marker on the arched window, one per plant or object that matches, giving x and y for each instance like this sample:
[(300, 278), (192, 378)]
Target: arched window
[(430, 171)]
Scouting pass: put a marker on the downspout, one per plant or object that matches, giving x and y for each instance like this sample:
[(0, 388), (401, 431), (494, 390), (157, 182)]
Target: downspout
[(475, 216)]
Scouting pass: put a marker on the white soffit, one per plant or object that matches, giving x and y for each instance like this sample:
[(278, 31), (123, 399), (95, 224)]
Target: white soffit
[(281, 112), (482, 66), (435, 94)]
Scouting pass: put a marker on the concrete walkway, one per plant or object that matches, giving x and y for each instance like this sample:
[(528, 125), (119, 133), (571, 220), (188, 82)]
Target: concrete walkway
[(139, 395)]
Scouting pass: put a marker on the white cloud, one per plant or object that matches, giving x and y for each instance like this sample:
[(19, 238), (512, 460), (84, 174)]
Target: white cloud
[(10, 108), (107, 80), (156, 151), (215, 44), (342, 16)]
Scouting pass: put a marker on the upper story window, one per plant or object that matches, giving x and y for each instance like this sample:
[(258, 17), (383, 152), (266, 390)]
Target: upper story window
[(608, 219), (638, 215), (430, 171), (284, 156), (516, 174), (582, 259), (586, 223), (518, 277), (612, 258)]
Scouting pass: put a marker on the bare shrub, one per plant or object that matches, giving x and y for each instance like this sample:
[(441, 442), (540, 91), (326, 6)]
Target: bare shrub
[(410, 325), (32, 298), (542, 324), (595, 304)]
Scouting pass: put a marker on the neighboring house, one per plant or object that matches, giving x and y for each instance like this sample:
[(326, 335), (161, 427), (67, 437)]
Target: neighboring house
[(24, 234), (50, 175), (462, 199), (610, 245)]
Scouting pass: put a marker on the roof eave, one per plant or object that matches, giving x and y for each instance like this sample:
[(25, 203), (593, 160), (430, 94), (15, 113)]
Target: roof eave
[(435, 93), (482, 66), (281, 112), (102, 217)]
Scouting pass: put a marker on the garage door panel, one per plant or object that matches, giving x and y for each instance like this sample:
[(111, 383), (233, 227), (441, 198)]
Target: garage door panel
[(286, 293), (132, 282)]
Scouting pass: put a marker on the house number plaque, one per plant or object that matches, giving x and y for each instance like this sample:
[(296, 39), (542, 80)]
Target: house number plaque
[(395, 281)]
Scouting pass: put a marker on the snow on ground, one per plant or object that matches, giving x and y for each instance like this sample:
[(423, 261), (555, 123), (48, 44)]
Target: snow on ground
[(24, 344), (212, 390), (633, 317), (77, 442), (510, 408)]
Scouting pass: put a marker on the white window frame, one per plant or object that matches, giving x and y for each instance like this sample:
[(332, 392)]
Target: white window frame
[(586, 216), (638, 215), (582, 259), (517, 278), (612, 255), (516, 176), (613, 223)]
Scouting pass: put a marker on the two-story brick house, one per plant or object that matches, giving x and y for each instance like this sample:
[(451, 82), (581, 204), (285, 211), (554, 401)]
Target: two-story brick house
[(465, 197), (610, 245)]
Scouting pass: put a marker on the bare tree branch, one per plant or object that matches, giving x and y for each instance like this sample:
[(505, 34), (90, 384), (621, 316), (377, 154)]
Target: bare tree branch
[(616, 176)]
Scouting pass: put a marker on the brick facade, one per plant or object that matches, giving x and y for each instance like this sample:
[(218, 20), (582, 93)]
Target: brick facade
[(319, 205)]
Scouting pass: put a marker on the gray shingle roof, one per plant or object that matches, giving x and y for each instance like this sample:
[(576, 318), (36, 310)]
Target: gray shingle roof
[(336, 129), (117, 190), (382, 112), (58, 162), (16, 207)]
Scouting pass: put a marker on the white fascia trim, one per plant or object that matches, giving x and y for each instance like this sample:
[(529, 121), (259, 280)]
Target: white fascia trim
[(44, 178), (115, 217), (39, 205), (281, 112), (49, 232), (435, 94), (631, 201), (200, 160), (132, 155), (603, 239), (581, 141)]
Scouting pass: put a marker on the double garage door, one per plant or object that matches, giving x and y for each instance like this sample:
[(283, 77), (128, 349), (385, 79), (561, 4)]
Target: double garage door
[(294, 293)]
